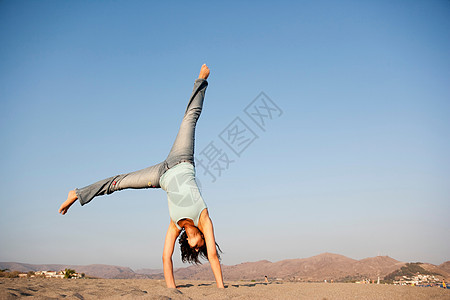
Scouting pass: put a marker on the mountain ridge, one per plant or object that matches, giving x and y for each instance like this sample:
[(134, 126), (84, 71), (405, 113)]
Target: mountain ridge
[(324, 266)]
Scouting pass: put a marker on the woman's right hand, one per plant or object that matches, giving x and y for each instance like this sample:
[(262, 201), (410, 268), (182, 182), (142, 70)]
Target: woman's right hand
[(171, 236)]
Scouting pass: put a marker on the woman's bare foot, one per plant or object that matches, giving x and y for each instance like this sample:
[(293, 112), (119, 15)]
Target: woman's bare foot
[(70, 200), (204, 72)]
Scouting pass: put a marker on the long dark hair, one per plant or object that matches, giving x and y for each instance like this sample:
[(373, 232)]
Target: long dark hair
[(189, 255)]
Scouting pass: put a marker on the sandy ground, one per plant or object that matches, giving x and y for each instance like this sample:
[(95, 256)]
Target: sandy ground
[(36, 288)]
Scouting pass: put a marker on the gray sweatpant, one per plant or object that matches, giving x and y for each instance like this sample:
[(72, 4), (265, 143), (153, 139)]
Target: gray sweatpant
[(182, 150)]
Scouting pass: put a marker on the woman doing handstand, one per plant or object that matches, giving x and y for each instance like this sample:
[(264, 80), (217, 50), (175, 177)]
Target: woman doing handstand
[(176, 175)]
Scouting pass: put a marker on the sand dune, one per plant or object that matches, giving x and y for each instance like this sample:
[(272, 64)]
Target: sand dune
[(40, 288)]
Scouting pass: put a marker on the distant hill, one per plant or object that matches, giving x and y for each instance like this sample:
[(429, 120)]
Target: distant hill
[(445, 266), (411, 269), (316, 268), (148, 271), (441, 269)]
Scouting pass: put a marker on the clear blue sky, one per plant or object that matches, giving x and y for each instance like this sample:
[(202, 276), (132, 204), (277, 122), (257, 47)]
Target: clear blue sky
[(358, 163)]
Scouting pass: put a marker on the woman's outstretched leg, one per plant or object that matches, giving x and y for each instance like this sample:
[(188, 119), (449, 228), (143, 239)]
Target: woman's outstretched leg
[(183, 147), (145, 178)]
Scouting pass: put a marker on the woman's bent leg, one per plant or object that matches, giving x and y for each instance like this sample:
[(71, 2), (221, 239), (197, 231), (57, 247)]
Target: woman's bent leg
[(183, 147), (145, 178)]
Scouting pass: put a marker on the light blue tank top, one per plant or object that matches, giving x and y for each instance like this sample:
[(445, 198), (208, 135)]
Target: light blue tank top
[(183, 195)]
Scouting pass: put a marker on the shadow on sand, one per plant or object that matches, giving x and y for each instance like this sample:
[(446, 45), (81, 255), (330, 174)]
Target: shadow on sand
[(188, 285), (252, 284), (184, 285)]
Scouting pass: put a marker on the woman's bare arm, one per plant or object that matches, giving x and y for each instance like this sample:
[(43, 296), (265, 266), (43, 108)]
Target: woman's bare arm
[(208, 233), (169, 244)]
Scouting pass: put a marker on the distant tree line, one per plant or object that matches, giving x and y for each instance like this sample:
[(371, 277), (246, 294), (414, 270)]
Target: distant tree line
[(68, 273), (9, 274)]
